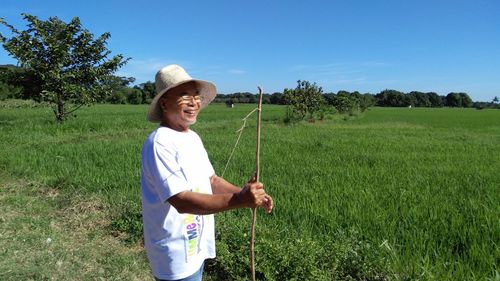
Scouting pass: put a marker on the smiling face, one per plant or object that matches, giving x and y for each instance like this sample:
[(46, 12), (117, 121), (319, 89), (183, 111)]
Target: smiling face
[(180, 107)]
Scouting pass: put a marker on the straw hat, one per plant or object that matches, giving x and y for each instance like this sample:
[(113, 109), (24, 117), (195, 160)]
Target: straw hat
[(172, 76)]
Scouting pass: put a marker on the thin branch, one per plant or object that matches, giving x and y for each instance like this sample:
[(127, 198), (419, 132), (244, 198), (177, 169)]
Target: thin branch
[(75, 109), (240, 130)]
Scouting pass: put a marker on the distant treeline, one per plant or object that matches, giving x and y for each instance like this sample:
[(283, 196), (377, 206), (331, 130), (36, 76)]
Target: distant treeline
[(386, 98), (389, 98), (19, 83)]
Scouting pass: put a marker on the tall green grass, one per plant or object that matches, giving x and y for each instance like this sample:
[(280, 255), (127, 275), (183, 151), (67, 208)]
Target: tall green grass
[(399, 194)]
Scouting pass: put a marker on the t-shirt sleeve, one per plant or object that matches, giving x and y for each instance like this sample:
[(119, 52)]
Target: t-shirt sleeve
[(167, 172), (209, 168)]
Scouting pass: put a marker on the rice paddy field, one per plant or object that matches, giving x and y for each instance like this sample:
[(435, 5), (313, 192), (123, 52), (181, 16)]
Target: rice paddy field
[(391, 194)]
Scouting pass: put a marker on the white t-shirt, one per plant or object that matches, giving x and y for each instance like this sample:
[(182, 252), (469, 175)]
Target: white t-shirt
[(172, 162)]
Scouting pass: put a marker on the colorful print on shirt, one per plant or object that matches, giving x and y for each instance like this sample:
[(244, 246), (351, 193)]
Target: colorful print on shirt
[(193, 228)]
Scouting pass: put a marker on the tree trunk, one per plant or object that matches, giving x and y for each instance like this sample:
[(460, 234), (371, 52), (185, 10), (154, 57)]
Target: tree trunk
[(60, 114)]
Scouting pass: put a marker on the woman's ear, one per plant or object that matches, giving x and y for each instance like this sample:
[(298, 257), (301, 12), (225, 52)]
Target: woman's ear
[(162, 103)]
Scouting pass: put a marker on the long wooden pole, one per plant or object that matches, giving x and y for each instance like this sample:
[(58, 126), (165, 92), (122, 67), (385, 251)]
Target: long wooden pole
[(257, 174)]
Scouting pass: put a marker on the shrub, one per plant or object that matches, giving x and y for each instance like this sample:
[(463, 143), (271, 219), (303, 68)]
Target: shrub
[(287, 255)]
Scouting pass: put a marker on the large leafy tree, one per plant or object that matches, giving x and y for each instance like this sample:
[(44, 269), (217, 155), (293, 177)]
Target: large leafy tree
[(435, 99), (305, 100), (466, 100), (458, 100), (391, 98), (70, 65)]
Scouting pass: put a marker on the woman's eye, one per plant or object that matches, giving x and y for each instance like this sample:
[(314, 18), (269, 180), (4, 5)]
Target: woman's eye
[(188, 98)]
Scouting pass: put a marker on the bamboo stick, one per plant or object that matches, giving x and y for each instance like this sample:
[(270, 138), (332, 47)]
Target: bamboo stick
[(257, 174)]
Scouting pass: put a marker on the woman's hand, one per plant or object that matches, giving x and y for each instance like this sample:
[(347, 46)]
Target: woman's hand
[(253, 195)]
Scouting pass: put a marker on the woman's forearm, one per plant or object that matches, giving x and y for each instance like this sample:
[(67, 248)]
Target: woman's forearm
[(220, 186), (204, 204)]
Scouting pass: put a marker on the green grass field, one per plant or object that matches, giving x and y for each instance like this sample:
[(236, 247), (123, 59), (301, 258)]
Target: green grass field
[(395, 194)]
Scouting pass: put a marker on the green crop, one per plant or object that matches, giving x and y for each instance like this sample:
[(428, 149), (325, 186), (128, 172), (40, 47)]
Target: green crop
[(395, 194)]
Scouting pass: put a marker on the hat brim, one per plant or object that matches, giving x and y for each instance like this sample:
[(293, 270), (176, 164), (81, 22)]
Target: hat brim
[(207, 89)]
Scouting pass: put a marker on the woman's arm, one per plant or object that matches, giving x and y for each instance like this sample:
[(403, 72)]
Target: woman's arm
[(226, 197), (220, 185)]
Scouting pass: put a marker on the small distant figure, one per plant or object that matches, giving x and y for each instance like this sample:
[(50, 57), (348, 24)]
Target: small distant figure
[(230, 103), (409, 106)]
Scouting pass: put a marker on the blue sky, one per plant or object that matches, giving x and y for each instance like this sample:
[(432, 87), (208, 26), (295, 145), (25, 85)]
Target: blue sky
[(367, 46)]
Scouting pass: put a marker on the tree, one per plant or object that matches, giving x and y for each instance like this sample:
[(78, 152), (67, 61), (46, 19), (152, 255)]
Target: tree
[(70, 65), (305, 99), (117, 97), (435, 99), (391, 98), (148, 91), (116, 83), (23, 79), (420, 99), (8, 91), (134, 96), (495, 100), (466, 100), (343, 103), (458, 100), (367, 100), (266, 98), (277, 98), (116, 88), (453, 100)]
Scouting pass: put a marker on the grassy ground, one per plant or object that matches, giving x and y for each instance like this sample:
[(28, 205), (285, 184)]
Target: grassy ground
[(396, 194), (47, 235)]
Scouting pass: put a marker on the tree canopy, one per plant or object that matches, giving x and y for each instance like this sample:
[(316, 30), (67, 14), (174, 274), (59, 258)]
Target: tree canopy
[(305, 100), (69, 65)]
